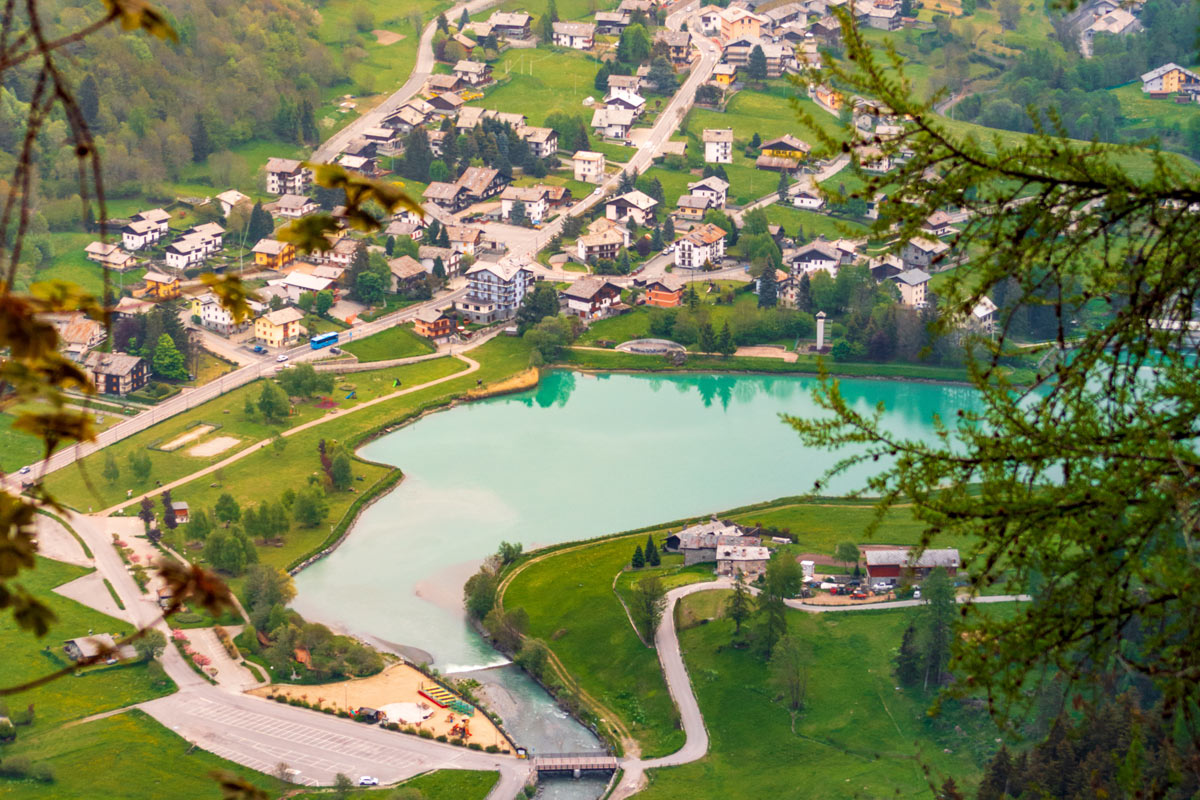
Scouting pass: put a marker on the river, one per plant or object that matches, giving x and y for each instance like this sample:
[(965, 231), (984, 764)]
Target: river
[(578, 457)]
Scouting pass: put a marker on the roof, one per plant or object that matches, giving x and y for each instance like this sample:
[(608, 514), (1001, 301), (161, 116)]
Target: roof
[(611, 17), (710, 532), (587, 288), (471, 66), (294, 201), (112, 363), (505, 271), (406, 267), (448, 99), (574, 28), (706, 234), (725, 69), (539, 135), (477, 179), (102, 249), (787, 142), (1165, 68), (904, 556), (742, 553), (775, 162), (510, 19), (624, 82), (712, 182), (463, 233), (1116, 21), (307, 282), (526, 194), (638, 199), (131, 305), (602, 238), (139, 226), (91, 646), (283, 316), (440, 190), (603, 117), (913, 277), (717, 135), (676, 38), (232, 197), (154, 276), (288, 165), (983, 308), (180, 506), (824, 250), (624, 95), (580, 155), (697, 201), (445, 82), (270, 247), (928, 245), (354, 162), (154, 215), (430, 314), (669, 283), (431, 251)]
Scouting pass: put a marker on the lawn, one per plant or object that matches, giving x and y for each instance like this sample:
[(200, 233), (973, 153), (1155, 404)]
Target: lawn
[(444, 784), (813, 223), (611, 150), (129, 756), (395, 342), (857, 737), (19, 448), (541, 81), (228, 411), (96, 689), (1140, 111), (578, 189)]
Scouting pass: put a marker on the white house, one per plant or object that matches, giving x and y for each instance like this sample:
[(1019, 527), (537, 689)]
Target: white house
[(714, 188), (1168, 79), (229, 199), (818, 255), (297, 283), (638, 205), (543, 142), (591, 297), (295, 206), (704, 243), (627, 99), (214, 316), (718, 145), (195, 245), (575, 35), (145, 228), (807, 198), (109, 255), (589, 166), (495, 291), (612, 123), (287, 176), (534, 198)]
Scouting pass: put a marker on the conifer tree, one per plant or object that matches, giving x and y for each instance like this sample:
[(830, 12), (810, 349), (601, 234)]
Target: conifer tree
[(464, 21), (804, 294), (668, 232), (740, 604), (261, 226), (708, 339), (639, 560), (201, 146), (88, 98), (768, 287), (652, 557), (908, 660), (726, 346), (783, 186)]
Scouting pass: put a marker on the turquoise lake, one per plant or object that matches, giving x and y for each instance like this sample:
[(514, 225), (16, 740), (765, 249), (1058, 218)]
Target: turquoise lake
[(579, 457)]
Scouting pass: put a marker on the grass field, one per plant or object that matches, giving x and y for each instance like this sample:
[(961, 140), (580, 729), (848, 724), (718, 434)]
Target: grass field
[(445, 784), (857, 737), (26, 657), (1140, 111), (228, 411), (19, 448), (395, 342), (541, 81), (128, 756), (813, 223)]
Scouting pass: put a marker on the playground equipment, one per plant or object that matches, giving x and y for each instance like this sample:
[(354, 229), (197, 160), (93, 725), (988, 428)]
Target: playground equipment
[(461, 730), (444, 698), (395, 382), (352, 395)]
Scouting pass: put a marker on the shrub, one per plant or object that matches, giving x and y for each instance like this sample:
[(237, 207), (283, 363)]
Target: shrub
[(441, 738), (477, 746), (458, 742), (43, 773), (279, 698), (491, 748), (344, 714), (15, 767), (425, 733)]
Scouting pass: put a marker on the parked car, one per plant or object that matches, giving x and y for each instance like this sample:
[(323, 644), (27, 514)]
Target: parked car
[(367, 780), (859, 594), (916, 594), (337, 351), (881, 586), (24, 470), (282, 357), (258, 348)]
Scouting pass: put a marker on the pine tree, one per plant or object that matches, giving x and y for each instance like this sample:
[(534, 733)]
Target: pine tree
[(639, 560), (201, 146), (261, 226), (111, 471), (517, 214), (168, 361), (804, 294), (998, 777), (652, 557), (740, 604), (442, 24), (908, 659), (439, 268), (389, 246), (88, 98), (708, 339), (768, 287), (552, 10), (623, 265), (949, 791), (601, 82), (464, 21), (668, 232), (656, 239), (783, 186), (726, 346), (443, 237), (309, 132)]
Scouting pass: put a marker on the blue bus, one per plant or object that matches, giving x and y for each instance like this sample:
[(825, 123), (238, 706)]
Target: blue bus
[(323, 340)]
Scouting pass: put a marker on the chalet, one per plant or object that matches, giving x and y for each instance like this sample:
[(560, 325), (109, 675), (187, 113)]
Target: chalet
[(635, 204), (294, 206), (780, 58), (482, 183), (827, 97), (627, 83), (429, 255), (139, 233), (692, 206), (182, 512), (808, 54), (625, 99), (737, 559), (897, 563), (161, 286), (446, 104), (535, 200), (938, 224), (810, 199), (666, 292), (636, 6), (591, 297), (89, 647), (714, 188), (782, 15), (543, 142), (592, 247), (983, 316), (558, 196), (589, 166), (340, 255), (433, 324), (279, 328), (575, 35), (710, 20), (913, 284), (297, 284), (783, 154), (407, 272), (273, 254), (1169, 79), (679, 46), (408, 116), (231, 199), (874, 159), (116, 373), (724, 74), (77, 334), (884, 19), (109, 256), (704, 244), (698, 543), (130, 307), (287, 176), (437, 141), (888, 265), (468, 44), (922, 253), (816, 255), (612, 123), (463, 238), (437, 84), (473, 73), (718, 145), (364, 164), (827, 30), (511, 25), (215, 316), (495, 291), (1116, 22), (450, 196), (612, 23), (409, 230)]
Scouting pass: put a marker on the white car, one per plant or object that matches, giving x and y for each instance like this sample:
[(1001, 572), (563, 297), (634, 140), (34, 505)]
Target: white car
[(597, 190), (367, 780), (24, 470), (916, 594), (282, 358)]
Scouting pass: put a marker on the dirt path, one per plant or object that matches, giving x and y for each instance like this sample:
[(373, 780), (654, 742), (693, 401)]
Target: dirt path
[(472, 366)]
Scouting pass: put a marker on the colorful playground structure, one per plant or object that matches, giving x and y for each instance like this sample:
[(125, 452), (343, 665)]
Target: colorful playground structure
[(444, 698)]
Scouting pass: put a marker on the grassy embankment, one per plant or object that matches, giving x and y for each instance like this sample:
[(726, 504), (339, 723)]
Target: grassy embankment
[(568, 594), (396, 342), (446, 784)]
